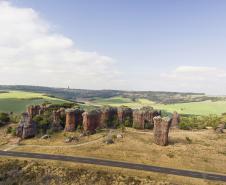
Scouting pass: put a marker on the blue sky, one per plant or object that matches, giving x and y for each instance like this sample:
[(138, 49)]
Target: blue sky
[(172, 45)]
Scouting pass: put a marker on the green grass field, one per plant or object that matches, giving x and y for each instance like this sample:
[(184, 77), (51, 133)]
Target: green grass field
[(17, 101), (197, 108)]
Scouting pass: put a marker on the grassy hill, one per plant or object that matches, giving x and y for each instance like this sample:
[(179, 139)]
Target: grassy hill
[(196, 108), (84, 94), (16, 98), (17, 101)]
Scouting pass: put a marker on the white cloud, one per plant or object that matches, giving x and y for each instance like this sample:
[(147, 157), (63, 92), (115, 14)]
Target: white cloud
[(196, 69), (32, 53), (196, 79)]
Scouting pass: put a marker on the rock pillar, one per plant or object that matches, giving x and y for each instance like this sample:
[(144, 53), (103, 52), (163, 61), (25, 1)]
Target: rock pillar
[(70, 120), (161, 130)]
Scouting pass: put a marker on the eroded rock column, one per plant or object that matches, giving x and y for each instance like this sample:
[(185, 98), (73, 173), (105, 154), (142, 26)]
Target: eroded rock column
[(143, 118), (33, 110), (27, 127), (108, 117), (125, 114), (56, 124), (175, 120), (161, 130), (78, 117), (91, 120), (70, 120)]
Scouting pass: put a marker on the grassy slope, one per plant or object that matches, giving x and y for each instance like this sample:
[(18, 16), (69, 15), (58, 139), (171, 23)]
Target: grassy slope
[(26, 171), (17, 101), (139, 147), (198, 108)]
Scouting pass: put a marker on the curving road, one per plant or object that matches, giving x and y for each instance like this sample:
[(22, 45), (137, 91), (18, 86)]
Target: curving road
[(102, 162)]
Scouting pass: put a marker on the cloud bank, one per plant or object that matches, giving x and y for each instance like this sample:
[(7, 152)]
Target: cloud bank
[(31, 52), (196, 79)]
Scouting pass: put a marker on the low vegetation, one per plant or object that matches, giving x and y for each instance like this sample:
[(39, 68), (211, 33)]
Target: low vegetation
[(200, 122), (25, 172), (17, 101)]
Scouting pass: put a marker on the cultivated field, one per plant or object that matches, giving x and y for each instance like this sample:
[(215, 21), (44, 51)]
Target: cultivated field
[(17, 101), (196, 108)]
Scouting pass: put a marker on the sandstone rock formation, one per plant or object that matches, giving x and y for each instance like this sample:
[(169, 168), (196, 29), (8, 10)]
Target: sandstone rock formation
[(125, 116), (175, 120), (70, 120), (161, 130), (56, 124), (91, 120), (34, 110), (108, 117), (78, 117), (27, 127), (143, 118)]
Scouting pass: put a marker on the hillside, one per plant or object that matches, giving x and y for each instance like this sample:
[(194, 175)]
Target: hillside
[(84, 94), (17, 101)]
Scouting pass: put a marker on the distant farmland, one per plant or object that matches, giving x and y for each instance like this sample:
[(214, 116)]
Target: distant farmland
[(196, 108), (17, 101)]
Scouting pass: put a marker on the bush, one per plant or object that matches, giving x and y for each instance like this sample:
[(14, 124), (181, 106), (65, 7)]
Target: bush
[(15, 118), (13, 132), (199, 122), (4, 117), (43, 122), (188, 140), (9, 130)]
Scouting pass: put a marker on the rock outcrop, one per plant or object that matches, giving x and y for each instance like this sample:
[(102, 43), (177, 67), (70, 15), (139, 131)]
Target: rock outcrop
[(125, 116), (70, 120), (34, 110), (161, 130), (78, 117), (143, 118), (56, 124), (91, 120), (175, 120), (108, 117), (27, 127)]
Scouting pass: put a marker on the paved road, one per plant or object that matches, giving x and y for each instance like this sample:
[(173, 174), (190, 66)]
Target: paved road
[(127, 165)]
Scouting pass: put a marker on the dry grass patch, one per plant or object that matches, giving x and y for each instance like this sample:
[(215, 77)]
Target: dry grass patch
[(205, 152)]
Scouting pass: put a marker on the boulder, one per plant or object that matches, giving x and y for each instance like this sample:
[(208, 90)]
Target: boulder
[(143, 118), (71, 139), (46, 137), (175, 120), (161, 130), (108, 117), (119, 136), (91, 120), (70, 120), (220, 128), (27, 127), (125, 116)]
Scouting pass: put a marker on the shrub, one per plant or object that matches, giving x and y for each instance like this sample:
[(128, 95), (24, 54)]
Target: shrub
[(15, 118), (43, 122), (4, 117), (188, 140), (199, 122), (9, 130), (13, 132), (128, 122)]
